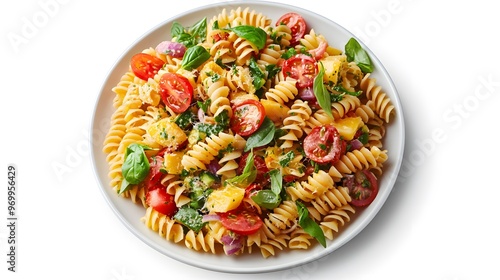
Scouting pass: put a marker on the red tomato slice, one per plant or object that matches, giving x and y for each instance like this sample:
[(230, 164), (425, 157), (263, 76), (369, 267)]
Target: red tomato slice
[(154, 176), (145, 66), (302, 68), (176, 92), (323, 144), (248, 116), (296, 23), (363, 188), (241, 222), (161, 201), (260, 165)]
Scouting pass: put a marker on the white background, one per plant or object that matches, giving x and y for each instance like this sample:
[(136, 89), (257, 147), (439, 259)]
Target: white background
[(440, 222)]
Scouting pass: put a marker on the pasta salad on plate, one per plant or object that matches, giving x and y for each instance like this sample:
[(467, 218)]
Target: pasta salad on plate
[(243, 134)]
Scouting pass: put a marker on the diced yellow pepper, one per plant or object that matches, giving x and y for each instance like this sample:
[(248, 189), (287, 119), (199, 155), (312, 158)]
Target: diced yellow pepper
[(225, 199), (275, 111), (172, 162), (332, 64), (347, 127), (167, 133)]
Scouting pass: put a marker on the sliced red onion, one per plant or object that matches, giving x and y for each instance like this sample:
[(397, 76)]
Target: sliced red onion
[(213, 166), (307, 94), (356, 144), (318, 52), (210, 217), (201, 115), (173, 49), (232, 244)]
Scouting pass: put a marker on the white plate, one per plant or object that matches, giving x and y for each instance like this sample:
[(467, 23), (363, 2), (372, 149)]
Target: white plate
[(130, 213)]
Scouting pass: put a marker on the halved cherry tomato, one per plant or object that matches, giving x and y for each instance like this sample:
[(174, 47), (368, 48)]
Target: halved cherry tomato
[(296, 23), (363, 187), (241, 222), (161, 201), (176, 92), (260, 165), (145, 66), (252, 190), (302, 68), (248, 116), (323, 144), (154, 176)]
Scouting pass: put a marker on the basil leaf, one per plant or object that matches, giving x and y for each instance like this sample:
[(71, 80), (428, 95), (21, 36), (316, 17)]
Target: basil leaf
[(263, 136), (342, 89), (247, 176), (194, 57), (309, 225), (199, 30), (185, 119), (135, 167), (254, 35), (287, 158), (276, 181), (257, 74), (322, 95), (176, 30), (356, 53), (267, 199), (223, 119), (190, 218), (209, 129)]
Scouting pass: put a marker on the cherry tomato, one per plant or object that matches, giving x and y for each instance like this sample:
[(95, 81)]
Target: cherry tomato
[(248, 116), (252, 190), (145, 66), (296, 23), (260, 165), (176, 92), (302, 68), (161, 201), (241, 222), (363, 187), (154, 176), (323, 144)]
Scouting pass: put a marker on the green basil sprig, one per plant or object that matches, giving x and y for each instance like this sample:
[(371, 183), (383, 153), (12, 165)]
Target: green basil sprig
[(190, 36), (356, 53), (309, 225), (263, 136), (194, 57), (247, 176), (254, 35), (190, 218), (270, 199), (258, 76), (135, 167), (321, 93)]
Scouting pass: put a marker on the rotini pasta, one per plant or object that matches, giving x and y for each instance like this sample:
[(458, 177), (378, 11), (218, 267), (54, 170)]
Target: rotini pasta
[(243, 143)]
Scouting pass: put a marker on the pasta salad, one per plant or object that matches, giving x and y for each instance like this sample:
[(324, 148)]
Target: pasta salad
[(239, 134)]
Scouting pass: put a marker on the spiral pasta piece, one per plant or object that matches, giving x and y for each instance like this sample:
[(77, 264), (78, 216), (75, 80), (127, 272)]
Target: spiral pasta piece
[(218, 93), (163, 225), (283, 92), (382, 104), (295, 123), (204, 152), (315, 186), (337, 218), (335, 197), (200, 241), (358, 160)]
